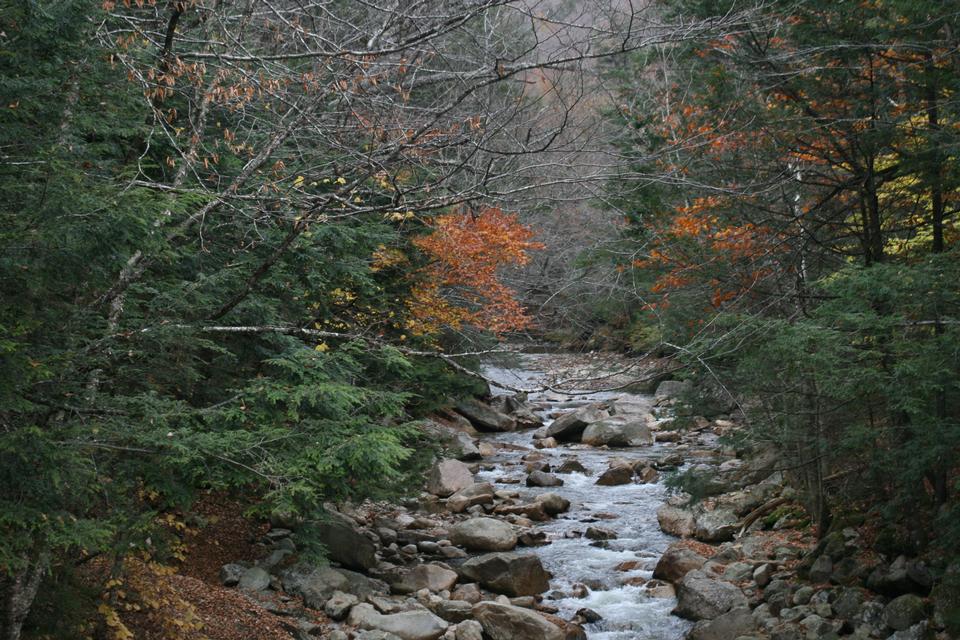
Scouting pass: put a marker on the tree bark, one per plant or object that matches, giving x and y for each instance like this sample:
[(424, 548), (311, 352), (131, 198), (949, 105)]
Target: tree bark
[(17, 592)]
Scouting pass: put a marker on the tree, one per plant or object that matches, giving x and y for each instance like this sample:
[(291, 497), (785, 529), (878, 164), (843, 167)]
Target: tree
[(785, 206), (221, 221)]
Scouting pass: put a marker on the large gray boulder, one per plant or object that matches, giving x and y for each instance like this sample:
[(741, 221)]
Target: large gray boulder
[(543, 479), (507, 622), (676, 562), (447, 477), (254, 579), (570, 426), (905, 611), (672, 390), (485, 417), (676, 521), (345, 543), (718, 525), (728, 626), (483, 534), (617, 434), (314, 584), (553, 503), (702, 598), (408, 625), (479, 493), (513, 574), (426, 576)]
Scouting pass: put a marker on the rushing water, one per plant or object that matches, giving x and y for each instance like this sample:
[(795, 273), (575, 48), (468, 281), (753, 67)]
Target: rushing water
[(628, 612)]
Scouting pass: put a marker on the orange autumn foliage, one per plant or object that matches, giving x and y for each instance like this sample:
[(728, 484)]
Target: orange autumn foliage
[(460, 286), (694, 242)]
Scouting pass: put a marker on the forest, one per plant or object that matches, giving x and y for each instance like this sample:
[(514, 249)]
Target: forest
[(261, 259)]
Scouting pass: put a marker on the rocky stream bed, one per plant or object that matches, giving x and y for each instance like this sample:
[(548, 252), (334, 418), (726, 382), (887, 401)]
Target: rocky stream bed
[(548, 519)]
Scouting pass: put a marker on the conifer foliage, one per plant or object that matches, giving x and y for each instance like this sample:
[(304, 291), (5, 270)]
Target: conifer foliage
[(224, 229), (793, 196)]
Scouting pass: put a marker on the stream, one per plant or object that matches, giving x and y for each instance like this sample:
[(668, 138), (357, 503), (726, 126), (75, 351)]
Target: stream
[(628, 612)]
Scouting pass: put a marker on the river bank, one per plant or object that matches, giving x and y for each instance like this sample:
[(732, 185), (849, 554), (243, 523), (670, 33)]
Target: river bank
[(549, 518)]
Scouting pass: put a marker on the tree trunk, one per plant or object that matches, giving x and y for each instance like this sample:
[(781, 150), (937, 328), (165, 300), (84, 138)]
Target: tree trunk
[(17, 592)]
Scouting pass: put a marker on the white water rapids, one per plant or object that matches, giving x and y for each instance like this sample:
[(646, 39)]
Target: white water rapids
[(629, 510)]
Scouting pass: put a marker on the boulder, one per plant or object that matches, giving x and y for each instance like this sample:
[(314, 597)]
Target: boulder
[(483, 534), (346, 544), (507, 622), (484, 417), (676, 562), (469, 630), (615, 476), (543, 479), (616, 434), (530, 510), (230, 574), (469, 592), (452, 610), (464, 448), (407, 625), (821, 570), (362, 585), (702, 598), (339, 604), (900, 577), (903, 612), (600, 533), (254, 579), (314, 584), (432, 577), (553, 503), (647, 474), (727, 626), (474, 494), (718, 525), (671, 390), (571, 466), (447, 477), (569, 426), (513, 574), (676, 521)]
